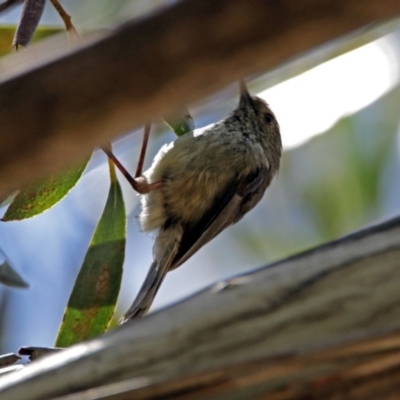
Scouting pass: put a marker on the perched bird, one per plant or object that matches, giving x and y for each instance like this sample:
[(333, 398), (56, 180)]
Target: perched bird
[(203, 182)]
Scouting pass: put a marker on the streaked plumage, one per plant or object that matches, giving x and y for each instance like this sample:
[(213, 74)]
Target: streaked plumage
[(210, 178)]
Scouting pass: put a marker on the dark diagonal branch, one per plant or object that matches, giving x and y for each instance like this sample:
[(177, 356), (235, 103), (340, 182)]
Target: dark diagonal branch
[(313, 325), (54, 114)]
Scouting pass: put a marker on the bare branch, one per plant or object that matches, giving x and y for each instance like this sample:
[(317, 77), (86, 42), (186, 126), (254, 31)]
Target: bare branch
[(55, 114), (363, 369), (69, 26), (299, 320), (7, 4), (30, 17)]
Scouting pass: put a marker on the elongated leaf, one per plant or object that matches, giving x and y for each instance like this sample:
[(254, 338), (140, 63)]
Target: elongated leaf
[(181, 123), (10, 277), (92, 303), (7, 198), (39, 197)]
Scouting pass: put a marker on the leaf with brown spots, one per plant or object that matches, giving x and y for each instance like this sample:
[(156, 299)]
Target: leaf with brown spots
[(39, 197), (92, 303)]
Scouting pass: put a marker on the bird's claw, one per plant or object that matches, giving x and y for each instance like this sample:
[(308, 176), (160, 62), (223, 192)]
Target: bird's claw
[(144, 187)]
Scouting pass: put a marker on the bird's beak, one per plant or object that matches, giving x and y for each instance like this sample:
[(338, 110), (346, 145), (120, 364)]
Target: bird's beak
[(245, 96)]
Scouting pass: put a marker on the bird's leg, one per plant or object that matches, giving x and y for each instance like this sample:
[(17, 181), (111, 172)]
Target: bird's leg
[(145, 140), (123, 170), (139, 183), (144, 187)]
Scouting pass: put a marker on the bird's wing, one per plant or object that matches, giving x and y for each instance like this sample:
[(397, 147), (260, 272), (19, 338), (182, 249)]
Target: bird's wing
[(225, 211)]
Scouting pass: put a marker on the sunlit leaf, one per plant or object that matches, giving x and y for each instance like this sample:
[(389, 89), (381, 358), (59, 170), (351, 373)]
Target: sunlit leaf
[(39, 197), (92, 303), (181, 123)]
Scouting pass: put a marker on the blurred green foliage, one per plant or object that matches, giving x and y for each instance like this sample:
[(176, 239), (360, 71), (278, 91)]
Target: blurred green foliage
[(332, 185), (350, 159), (7, 34)]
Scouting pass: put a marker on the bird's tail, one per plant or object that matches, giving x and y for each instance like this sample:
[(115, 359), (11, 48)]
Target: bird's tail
[(146, 294)]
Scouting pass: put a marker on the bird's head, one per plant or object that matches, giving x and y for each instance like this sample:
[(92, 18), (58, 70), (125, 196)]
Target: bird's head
[(259, 123)]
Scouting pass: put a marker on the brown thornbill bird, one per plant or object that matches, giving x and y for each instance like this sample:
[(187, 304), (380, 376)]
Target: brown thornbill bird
[(203, 182)]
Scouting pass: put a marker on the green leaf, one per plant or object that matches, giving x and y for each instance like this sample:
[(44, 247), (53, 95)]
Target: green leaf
[(92, 303), (181, 123), (7, 198), (39, 197), (9, 277)]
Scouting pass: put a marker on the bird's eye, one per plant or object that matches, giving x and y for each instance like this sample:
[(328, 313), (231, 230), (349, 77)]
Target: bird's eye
[(269, 119)]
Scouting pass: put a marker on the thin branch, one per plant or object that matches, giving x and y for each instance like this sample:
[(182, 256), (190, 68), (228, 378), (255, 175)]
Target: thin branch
[(8, 4), (67, 20), (30, 17)]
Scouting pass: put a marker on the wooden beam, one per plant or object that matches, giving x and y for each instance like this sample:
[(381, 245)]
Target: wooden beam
[(54, 112), (326, 316)]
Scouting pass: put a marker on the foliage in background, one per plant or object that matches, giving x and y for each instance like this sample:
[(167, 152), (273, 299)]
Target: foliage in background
[(330, 186)]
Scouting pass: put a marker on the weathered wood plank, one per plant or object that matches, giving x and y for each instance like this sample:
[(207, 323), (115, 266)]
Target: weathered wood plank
[(359, 369), (53, 113), (318, 299)]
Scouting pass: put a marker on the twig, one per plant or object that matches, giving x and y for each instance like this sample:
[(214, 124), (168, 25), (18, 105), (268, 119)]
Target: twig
[(8, 4), (67, 19), (32, 12)]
